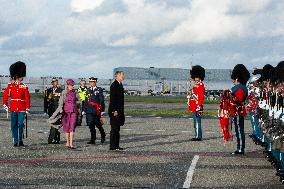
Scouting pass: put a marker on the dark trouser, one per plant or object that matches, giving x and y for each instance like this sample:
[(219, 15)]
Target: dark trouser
[(54, 136), (93, 121), (17, 126), (197, 125), (80, 116), (240, 133), (114, 136)]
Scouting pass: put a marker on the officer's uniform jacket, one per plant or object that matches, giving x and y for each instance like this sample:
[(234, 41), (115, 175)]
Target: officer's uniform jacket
[(51, 99), (94, 102)]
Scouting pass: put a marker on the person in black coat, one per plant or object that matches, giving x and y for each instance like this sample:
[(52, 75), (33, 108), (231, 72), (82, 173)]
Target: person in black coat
[(116, 110)]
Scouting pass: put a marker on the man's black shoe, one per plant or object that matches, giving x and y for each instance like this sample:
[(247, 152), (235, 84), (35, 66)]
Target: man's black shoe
[(15, 145), (112, 149), (91, 142), (120, 149), (21, 143), (238, 153), (196, 139)]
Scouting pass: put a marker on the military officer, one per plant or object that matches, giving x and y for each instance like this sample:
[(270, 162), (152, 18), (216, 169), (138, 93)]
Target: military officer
[(19, 95), (94, 108), (51, 99)]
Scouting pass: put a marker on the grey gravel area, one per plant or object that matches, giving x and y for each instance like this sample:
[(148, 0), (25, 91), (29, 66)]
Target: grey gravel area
[(158, 155)]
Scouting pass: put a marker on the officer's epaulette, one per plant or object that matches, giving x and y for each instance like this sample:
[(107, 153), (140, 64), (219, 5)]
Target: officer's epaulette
[(23, 85)]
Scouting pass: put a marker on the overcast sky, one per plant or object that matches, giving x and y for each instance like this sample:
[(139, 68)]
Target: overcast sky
[(73, 38)]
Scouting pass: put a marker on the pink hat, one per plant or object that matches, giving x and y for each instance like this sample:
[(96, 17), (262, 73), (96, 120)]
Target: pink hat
[(70, 82)]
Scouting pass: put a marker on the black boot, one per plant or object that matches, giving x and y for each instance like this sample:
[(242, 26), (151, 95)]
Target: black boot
[(57, 137), (93, 135), (21, 143), (103, 139), (52, 134)]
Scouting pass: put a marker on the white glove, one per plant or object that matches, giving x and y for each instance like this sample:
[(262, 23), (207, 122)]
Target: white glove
[(83, 113), (27, 111), (102, 113), (6, 108)]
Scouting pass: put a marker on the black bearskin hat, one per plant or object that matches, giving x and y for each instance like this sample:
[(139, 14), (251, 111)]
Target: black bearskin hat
[(273, 75), (240, 73), (18, 70), (280, 71), (257, 72), (197, 72), (265, 75)]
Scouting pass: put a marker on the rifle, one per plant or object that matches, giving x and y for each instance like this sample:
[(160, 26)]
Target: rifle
[(26, 125)]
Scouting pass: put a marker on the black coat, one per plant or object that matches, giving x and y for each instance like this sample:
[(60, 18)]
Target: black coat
[(116, 104)]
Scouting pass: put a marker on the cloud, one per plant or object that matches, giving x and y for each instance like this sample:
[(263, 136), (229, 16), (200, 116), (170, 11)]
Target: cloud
[(98, 35), (126, 41), (207, 21), (84, 5), (249, 5)]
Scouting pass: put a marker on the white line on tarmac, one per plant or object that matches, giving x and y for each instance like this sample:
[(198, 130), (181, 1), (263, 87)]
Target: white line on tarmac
[(190, 172), (185, 131), (160, 130), (128, 129)]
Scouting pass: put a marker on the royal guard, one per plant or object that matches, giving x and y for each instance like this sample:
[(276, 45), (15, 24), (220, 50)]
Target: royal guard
[(51, 100), (240, 76), (94, 108), (224, 115), (19, 95), (196, 99)]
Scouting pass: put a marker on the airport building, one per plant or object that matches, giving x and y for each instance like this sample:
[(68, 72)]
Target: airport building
[(175, 80), (142, 80)]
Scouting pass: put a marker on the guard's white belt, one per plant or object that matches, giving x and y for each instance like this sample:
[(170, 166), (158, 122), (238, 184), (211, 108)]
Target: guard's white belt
[(18, 100)]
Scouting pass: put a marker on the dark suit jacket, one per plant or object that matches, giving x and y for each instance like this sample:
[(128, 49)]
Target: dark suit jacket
[(116, 104)]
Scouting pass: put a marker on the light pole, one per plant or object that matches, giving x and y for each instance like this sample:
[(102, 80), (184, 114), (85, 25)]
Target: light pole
[(1, 82)]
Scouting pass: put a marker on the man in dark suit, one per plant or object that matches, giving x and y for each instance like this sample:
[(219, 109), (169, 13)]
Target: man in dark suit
[(116, 110)]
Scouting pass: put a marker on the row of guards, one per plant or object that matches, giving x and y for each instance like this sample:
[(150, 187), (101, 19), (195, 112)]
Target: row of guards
[(265, 108), (260, 97)]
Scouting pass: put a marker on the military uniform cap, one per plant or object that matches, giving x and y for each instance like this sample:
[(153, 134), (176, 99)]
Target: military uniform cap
[(92, 79)]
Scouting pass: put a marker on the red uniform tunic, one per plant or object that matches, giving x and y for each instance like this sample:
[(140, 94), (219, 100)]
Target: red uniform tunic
[(224, 115), (240, 93), (197, 97), (19, 97)]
